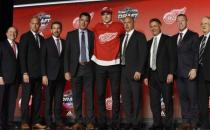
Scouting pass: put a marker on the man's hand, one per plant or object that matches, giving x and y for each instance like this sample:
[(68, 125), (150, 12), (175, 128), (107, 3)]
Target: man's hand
[(67, 76), (146, 81), (25, 78), (1, 81), (137, 76), (44, 80), (170, 78), (192, 74)]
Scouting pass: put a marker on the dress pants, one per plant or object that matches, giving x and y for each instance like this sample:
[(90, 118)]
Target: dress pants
[(34, 88), (131, 96), (83, 79), (203, 96), (158, 89), (54, 92), (8, 95), (188, 98), (103, 74)]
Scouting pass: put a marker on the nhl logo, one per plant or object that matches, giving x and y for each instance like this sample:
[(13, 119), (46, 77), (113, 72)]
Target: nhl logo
[(44, 19), (127, 12)]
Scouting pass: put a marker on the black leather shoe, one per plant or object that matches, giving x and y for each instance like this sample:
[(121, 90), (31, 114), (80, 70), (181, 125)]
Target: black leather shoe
[(155, 127), (126, 127), (49, 127), (167, 128), (115, 126)]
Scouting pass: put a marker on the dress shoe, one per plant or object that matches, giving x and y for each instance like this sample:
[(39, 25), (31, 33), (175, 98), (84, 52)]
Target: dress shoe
[(115, 126), (68, 128), (102, 127), (25, 126), (167, 128), (77, 126), (155, 127), (90, 126), (136, 127), (184, 126), (60, 126), (193, 126), (49, 127), (38, 126), (126, 127)]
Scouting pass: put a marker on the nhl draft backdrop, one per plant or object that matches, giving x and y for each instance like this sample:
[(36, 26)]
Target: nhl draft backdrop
[(142, 10)]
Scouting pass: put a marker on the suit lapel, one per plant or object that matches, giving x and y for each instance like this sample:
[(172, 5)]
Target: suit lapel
[(160, 45), (54, 45), (186, 36), (130, 40), (89, 40), (62, 44), (207, 43), (34, 40), (121, 43), (77, 41)]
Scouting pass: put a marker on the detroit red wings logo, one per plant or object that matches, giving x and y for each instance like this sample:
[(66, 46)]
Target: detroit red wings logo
[(170, 17), (106, 37)]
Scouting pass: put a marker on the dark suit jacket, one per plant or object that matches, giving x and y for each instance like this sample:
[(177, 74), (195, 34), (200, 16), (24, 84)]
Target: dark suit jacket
[(72, 50), (206, 59), (166, 57), (9, 64), (52, 62), (187, 53), (30, 54), (136, 53)]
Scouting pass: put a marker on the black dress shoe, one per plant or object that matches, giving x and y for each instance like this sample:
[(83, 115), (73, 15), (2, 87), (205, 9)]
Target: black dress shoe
[(167, 128), (115, 126), (127, 127), (102, 127), (49, 127), (155, 127), (136, 127)]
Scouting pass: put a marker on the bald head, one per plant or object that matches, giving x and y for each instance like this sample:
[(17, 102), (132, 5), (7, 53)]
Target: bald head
[(205, 25), (12, 33), (128, 23), (35, 24)]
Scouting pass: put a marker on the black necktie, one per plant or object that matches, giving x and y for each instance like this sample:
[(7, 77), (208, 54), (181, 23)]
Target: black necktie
[(37, 39), (83, 48), (180, 39), (201, 49)]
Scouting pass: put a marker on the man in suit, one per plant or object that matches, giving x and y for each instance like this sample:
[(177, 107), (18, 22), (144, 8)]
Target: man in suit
[(161, 67), (53, 75), (204, 73), (9, 78), (187, 54), (107, 66), (79, 69), (30, 63), (133, 61)]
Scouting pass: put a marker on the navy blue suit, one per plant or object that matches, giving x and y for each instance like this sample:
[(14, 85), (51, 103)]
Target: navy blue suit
[(187, 55)]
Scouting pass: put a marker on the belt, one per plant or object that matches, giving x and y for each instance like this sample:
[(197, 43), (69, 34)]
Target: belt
[(83, 63)]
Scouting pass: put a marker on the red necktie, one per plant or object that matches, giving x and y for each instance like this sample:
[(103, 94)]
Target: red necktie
[(14, 48)]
